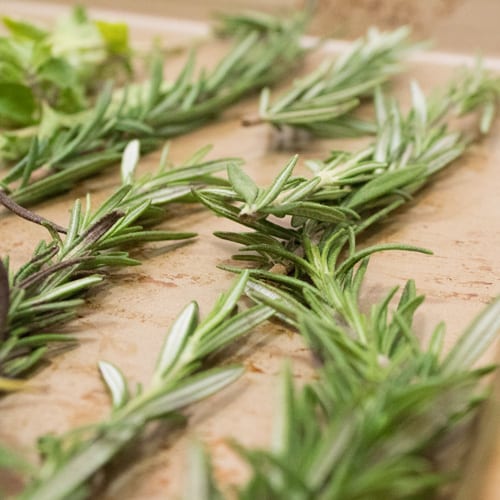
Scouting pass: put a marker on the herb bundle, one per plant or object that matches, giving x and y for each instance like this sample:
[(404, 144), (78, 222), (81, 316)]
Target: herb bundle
[(65, 150), (47, 290), (44, 72), (321, 103), (180, 378)]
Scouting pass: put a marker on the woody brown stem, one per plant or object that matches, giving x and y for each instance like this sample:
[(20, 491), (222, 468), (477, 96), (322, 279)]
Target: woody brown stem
[(251, 120), (26, 214)]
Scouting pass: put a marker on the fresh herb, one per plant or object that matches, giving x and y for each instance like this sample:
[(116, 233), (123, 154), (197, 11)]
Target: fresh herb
[(47, 290), (70, 149), (368, 427), (321, 103), (179, 379), (355, 189), (381, 407), (58, 70)]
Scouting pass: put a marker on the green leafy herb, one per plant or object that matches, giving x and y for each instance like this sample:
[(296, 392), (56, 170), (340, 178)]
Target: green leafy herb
[(351, 188), (382, 405), (322, 101), (179, 379), (69, 148), (47, 290), (57, 69)]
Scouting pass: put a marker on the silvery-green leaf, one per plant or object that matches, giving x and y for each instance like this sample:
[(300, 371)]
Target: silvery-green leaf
[(264, 101), (200, 484), (116, 383), (311, 210), (224, 306), (269, 195), (225, 66), (177, 337), (130, 159), (381, 111), (63, 291), (475, 340), (301, 191), (487, 117), (199, 156), (74, 224), (366, 252), (383, 142), (242, 184), (233, 328), (194, 389), (282, 431), (419, 102), (77, 468), (386, 183), (335, 444)]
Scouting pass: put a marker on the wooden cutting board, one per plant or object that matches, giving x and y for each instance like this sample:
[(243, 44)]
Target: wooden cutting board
[(125, 321)]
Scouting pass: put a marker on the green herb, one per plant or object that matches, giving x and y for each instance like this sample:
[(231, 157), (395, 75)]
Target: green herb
[(57, 70), (321, 103), (356, 189), (383, 404), (179, 379), (370, 425), (68, 149), (11, 464), (242, 23), (47, 290), (200, 482)]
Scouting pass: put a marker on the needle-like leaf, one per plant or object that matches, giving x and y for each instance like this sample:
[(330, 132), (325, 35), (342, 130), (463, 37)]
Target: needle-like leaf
[(76, 457), (321, 102), (84, 144), (45, 292), (369, 424)]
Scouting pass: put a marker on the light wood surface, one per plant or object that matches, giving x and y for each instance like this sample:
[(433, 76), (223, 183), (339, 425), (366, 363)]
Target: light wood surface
[(468, 26), (125, 321)]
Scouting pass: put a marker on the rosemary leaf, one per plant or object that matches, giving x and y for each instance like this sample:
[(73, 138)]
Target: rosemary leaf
[(382, 404)]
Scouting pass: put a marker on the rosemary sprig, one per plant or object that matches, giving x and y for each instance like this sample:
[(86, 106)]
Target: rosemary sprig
[(69, 150), (356, 189), (47, 290), (179, 379), (367, 427), (383, 404), (321, 103)]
